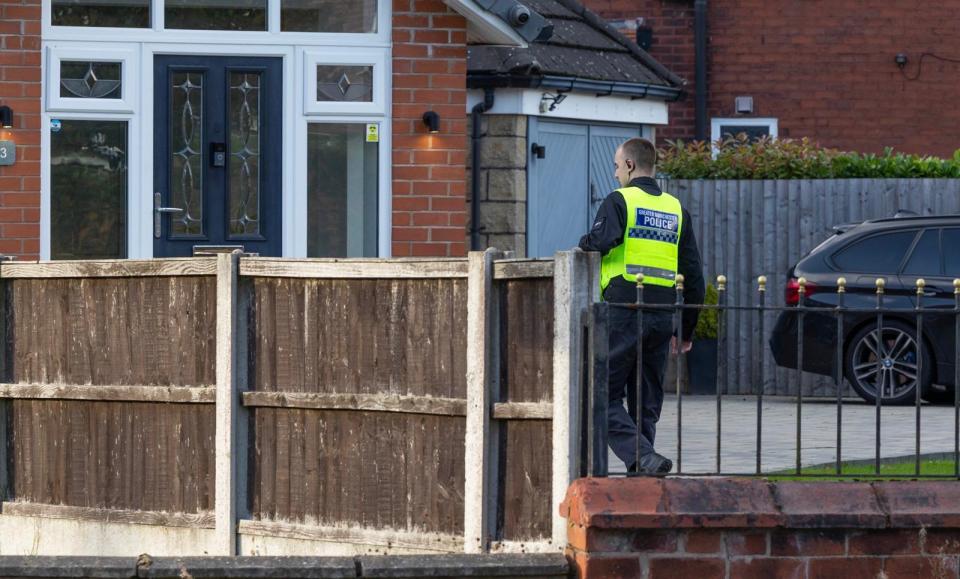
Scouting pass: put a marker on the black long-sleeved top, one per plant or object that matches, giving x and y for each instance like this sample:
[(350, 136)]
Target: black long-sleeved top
[(607, 233)]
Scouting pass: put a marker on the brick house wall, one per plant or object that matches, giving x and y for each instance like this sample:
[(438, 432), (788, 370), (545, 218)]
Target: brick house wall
[(429, 174), (825, 69), (20, 90)]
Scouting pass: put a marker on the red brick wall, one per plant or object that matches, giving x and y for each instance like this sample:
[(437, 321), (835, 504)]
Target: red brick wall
[(20, 90), (746, 528), (825, 68), (429, 180), (672, 24)]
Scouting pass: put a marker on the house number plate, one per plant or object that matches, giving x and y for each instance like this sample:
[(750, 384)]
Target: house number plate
[(8, 153)]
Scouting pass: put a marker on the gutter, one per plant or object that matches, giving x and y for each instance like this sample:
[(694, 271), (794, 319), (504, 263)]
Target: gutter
[(566, 84), (478, 109)]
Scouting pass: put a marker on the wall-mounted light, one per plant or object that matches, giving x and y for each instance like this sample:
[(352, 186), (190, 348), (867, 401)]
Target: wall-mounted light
[(6, 117), (432, 121)]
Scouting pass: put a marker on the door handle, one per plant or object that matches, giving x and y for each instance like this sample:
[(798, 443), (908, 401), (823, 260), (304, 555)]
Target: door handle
[(158, 211)]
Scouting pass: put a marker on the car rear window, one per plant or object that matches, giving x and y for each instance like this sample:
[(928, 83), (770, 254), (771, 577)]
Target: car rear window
[(881, 253), (925, 258), (951, 239)]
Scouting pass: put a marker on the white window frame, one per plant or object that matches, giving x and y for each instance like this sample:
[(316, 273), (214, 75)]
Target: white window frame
[(374, 57), (133, 172), (126, 55), (291, 46), (273, 35), (715, 123)]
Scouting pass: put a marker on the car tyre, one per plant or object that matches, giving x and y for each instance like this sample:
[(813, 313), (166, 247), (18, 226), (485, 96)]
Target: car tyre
[(898, 363)]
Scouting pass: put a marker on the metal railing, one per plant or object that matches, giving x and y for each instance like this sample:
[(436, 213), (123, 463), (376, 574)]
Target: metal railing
[(596, 322)]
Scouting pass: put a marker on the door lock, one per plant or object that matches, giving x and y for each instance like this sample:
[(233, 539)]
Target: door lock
[(158, 211)]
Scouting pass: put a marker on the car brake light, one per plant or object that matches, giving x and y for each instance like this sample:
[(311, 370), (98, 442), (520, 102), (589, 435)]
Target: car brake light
[(792, 291)]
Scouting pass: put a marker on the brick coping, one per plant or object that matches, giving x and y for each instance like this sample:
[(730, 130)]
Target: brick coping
[(662, 503)]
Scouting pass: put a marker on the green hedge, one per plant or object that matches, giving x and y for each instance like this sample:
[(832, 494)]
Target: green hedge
[(738, 158)]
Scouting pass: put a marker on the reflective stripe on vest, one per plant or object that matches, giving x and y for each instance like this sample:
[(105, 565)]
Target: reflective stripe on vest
[(651, 240)]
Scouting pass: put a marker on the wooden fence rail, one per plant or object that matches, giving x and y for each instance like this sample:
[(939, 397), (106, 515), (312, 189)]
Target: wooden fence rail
[(241, 405)]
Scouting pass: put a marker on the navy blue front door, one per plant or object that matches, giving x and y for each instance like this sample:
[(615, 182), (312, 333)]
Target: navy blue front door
[(217, 154)]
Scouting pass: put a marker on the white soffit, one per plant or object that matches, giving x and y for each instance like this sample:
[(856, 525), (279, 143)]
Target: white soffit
[(576, 106), (484, 27)]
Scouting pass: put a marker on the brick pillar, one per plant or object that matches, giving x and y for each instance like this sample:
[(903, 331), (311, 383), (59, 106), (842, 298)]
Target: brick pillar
[(20, 90), (429, 180)]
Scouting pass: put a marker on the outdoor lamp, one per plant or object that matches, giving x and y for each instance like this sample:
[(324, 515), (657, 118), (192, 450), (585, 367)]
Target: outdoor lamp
[(432, 120), (6, 117)]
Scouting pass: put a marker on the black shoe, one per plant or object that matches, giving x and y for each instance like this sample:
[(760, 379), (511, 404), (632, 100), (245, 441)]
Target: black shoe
[(652, 463)]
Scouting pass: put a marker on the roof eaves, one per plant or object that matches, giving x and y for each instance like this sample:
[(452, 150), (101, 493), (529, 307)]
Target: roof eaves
[(600, 88), (488, 25)]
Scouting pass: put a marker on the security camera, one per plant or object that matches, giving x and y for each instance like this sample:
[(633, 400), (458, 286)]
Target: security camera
[(519, 15)]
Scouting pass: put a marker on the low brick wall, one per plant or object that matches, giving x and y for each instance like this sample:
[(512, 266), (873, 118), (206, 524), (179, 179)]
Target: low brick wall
[(746, 528)]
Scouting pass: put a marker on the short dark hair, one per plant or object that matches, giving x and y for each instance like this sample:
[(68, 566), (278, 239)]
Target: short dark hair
[(641, 152)]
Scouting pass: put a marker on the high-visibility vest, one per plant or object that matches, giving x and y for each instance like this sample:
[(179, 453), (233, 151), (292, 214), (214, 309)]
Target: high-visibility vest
[(651, 240)]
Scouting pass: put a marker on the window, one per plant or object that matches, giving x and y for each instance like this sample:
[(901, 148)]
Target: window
[(951, 239), (88, 190), (925, 259), (328, 16), (215, 14), (345, 81), (752, 127), (342, 185), (881, 253), (112, 13), (92, 79)]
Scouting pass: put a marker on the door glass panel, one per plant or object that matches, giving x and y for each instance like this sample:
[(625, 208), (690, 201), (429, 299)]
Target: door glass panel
[(328, 16), (186, 152), (216, 14), (342, 182), (925, 259), (90, 80), (244, 189), (344, 83), (88, 190), (115, 13)]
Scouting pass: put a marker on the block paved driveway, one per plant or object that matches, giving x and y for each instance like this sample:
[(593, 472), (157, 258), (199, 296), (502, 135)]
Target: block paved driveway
[(819, 433)]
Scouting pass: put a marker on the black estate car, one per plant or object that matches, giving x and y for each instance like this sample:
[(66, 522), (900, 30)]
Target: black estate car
[(900, 250)]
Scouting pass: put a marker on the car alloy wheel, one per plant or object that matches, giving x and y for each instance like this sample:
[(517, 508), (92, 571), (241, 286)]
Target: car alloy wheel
[(887, 364)]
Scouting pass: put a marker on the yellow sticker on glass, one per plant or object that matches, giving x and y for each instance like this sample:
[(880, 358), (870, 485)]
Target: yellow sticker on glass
[(373, 133)]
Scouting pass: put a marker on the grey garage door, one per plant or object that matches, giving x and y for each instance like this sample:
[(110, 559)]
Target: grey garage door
[(567, 186)]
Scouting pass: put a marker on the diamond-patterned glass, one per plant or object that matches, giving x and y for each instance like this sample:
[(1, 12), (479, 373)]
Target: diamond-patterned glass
[(244, 190), (186, 153), (90, 80), (337, 83)]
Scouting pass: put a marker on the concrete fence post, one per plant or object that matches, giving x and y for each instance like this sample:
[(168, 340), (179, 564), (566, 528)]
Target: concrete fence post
[(575, 285), (482, 384), (230, 484)]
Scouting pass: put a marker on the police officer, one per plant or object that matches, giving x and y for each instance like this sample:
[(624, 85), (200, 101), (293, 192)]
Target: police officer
[(639, 229)]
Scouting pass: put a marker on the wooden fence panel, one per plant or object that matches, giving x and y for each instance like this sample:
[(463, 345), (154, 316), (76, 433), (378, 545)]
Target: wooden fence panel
[(380, 470), (526, 315), (152, 331), (750, 228), (405, 337), (113, 455)]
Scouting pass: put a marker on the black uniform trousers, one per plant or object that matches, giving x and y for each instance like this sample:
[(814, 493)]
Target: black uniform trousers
[(624, 334)]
